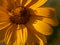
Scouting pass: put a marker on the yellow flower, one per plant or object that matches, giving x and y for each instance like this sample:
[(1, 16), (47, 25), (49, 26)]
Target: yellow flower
[(26, 22)]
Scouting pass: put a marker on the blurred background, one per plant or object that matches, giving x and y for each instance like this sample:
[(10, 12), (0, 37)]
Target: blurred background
[(54, 39)]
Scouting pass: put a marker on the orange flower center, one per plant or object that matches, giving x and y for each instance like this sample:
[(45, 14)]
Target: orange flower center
[(21, 15)]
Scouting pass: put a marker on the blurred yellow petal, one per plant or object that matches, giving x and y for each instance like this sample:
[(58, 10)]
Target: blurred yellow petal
[(11, 4), (27, 2), (25, 34), (7, 35), (19, 38), (23, 2), (21, 35), (10, 30), (51, 21), (4, 16), (45, 12), (37, 37), (42, 27), (9, 38), (2, 34), (38, 4), (4, 25), (42, 41), (31, 40), (19, 2), (40, 37), (3, 4)]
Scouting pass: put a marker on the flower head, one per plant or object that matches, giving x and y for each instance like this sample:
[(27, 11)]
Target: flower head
[(26, 22)]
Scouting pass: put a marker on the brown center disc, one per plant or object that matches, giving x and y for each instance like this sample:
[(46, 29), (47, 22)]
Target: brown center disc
[(21, 15)]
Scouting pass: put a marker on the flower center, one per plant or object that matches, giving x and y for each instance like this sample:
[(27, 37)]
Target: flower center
[(21, 15)]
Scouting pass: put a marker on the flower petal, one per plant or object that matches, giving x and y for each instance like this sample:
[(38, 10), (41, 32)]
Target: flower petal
[(8, 4), (21, 35), (38, 4), (25, 34), (19, 2), (22, 2), (4, 25), (2, 33), (37, 37), (30, 40), (45, 12), (11, 4), (42, 41), (4, 16), (41, 38), (3, 4), (9, 34), (51, 21), (41, 27), (27, 2)]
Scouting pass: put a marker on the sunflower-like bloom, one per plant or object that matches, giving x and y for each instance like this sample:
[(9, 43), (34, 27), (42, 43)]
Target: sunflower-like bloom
[(26, 22)]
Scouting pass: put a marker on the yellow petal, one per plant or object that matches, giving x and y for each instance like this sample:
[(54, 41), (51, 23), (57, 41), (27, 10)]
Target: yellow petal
[(4, 25), (45, 12), (21, 35), (11, 4), (3, 4), (23, 2), (19, 38), (51, 21), (9, 38), (37, 37), (4, 16), (7, 35), (25, 34), (19, 2), (2, 34), (41, 27), (30, 40), (27, 2), (40, 37), (38, 4), (42, 40), (10, 30)]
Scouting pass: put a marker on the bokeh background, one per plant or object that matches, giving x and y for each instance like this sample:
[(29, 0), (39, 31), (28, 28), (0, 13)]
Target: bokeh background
[(54, 39)]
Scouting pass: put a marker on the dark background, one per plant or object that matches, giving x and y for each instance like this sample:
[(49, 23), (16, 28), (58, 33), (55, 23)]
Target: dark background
[(54, 39)]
